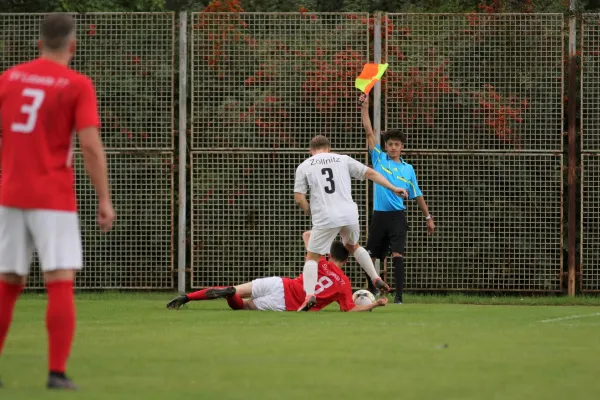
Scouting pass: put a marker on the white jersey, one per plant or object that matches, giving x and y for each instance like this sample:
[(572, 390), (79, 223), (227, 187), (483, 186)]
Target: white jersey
[(327, 175)]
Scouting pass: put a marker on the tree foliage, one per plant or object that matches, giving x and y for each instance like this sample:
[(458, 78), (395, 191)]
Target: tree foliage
[(294, 5)]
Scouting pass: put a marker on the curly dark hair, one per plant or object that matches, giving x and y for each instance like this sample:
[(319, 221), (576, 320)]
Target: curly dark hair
[(393, 134)]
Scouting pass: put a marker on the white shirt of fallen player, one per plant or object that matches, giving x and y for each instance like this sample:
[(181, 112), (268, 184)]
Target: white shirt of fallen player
[(328, 177)]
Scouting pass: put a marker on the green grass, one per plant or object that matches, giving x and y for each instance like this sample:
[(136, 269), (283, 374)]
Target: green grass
[(129, 346)]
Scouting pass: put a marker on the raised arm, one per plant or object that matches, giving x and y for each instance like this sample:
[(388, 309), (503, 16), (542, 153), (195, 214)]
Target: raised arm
[(366, 120)]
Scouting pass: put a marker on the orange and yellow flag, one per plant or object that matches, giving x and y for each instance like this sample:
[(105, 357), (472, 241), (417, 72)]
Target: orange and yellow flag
[(369, 76)]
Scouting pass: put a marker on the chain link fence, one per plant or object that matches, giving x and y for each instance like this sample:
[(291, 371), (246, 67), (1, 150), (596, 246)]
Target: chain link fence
[(131, 60), (590, 147), (262, 86), (481, 97)]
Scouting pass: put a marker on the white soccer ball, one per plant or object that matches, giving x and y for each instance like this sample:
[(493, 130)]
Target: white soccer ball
[(363, 297)]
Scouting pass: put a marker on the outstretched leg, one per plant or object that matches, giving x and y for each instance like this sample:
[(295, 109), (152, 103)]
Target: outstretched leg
[(233, 294), (364, 260), (350, 235)]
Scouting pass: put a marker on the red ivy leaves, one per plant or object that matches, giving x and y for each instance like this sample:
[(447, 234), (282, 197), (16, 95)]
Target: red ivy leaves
[(231, 27), (500, 115), (418, 92), (496, 6), (271, 119), (224, 6), (328, 82), (264, 74), (386, 23)]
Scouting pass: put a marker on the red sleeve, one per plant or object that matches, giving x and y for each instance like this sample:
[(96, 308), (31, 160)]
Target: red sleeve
[(345, 299), (86, 113)]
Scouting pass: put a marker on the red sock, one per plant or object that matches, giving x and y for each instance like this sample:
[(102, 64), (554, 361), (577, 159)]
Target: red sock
[(60, 323), (235, 302), (9, 293), (199, 295)]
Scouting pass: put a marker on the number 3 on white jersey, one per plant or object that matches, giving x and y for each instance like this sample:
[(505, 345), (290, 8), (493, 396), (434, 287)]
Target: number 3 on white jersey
[(31, 110), (323, 283)]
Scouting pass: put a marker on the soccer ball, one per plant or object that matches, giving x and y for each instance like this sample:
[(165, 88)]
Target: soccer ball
[(363, 297)]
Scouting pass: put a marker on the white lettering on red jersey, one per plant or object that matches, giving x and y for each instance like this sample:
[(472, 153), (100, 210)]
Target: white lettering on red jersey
[(332, 286), (42, 105)]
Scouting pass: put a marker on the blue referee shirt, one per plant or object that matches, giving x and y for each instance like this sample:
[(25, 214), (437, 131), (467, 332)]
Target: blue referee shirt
[(400, 174)]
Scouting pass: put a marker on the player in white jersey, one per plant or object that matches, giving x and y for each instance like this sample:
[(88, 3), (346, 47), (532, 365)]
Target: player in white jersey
[(328, 177)]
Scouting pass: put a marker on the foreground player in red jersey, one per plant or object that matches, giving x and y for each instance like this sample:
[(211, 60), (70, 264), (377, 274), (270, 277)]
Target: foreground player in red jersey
[(286, 294), (42, 104)]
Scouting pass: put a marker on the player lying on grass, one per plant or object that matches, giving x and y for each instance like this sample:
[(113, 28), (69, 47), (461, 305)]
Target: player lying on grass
[(286, 294)]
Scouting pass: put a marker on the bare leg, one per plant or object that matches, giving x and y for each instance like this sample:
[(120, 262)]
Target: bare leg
[(13, 279), (363, 259), (244, 290)]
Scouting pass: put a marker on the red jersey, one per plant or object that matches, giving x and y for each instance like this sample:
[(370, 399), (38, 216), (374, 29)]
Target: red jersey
[(332, 285), (42, 105)]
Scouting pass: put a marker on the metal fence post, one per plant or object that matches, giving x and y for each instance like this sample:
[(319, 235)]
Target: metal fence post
[(183, 59), (571, 115), (377, 96)]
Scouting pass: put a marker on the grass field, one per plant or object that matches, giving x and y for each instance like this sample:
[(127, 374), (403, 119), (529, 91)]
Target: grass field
[(129, 346)]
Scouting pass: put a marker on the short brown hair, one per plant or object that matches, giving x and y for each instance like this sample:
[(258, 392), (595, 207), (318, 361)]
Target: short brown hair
[(319, 142), (56, 29)]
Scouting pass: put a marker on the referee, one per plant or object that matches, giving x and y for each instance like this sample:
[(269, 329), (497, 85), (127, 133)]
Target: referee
[(388, 227)]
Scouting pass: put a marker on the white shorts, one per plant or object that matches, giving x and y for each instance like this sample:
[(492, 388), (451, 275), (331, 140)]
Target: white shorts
[(321, 238), (54, 234), (268, 294)]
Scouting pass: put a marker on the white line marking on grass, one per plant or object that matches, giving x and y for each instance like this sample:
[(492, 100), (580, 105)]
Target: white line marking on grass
[(570, 317)]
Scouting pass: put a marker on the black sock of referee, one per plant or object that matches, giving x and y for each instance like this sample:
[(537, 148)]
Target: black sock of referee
[(398, 263)]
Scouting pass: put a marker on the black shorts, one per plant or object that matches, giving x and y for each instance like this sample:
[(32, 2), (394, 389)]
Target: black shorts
[(387, 230)]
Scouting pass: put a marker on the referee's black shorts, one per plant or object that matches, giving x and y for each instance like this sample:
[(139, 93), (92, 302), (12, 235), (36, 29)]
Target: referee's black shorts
[(387, 231)]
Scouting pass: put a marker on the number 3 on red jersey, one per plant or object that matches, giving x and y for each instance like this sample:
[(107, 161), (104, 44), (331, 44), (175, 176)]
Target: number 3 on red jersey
[(323, 283), (30, 109)]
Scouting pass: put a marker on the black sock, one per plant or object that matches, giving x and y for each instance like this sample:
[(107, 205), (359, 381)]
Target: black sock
[(58, 374), (398, 263)]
